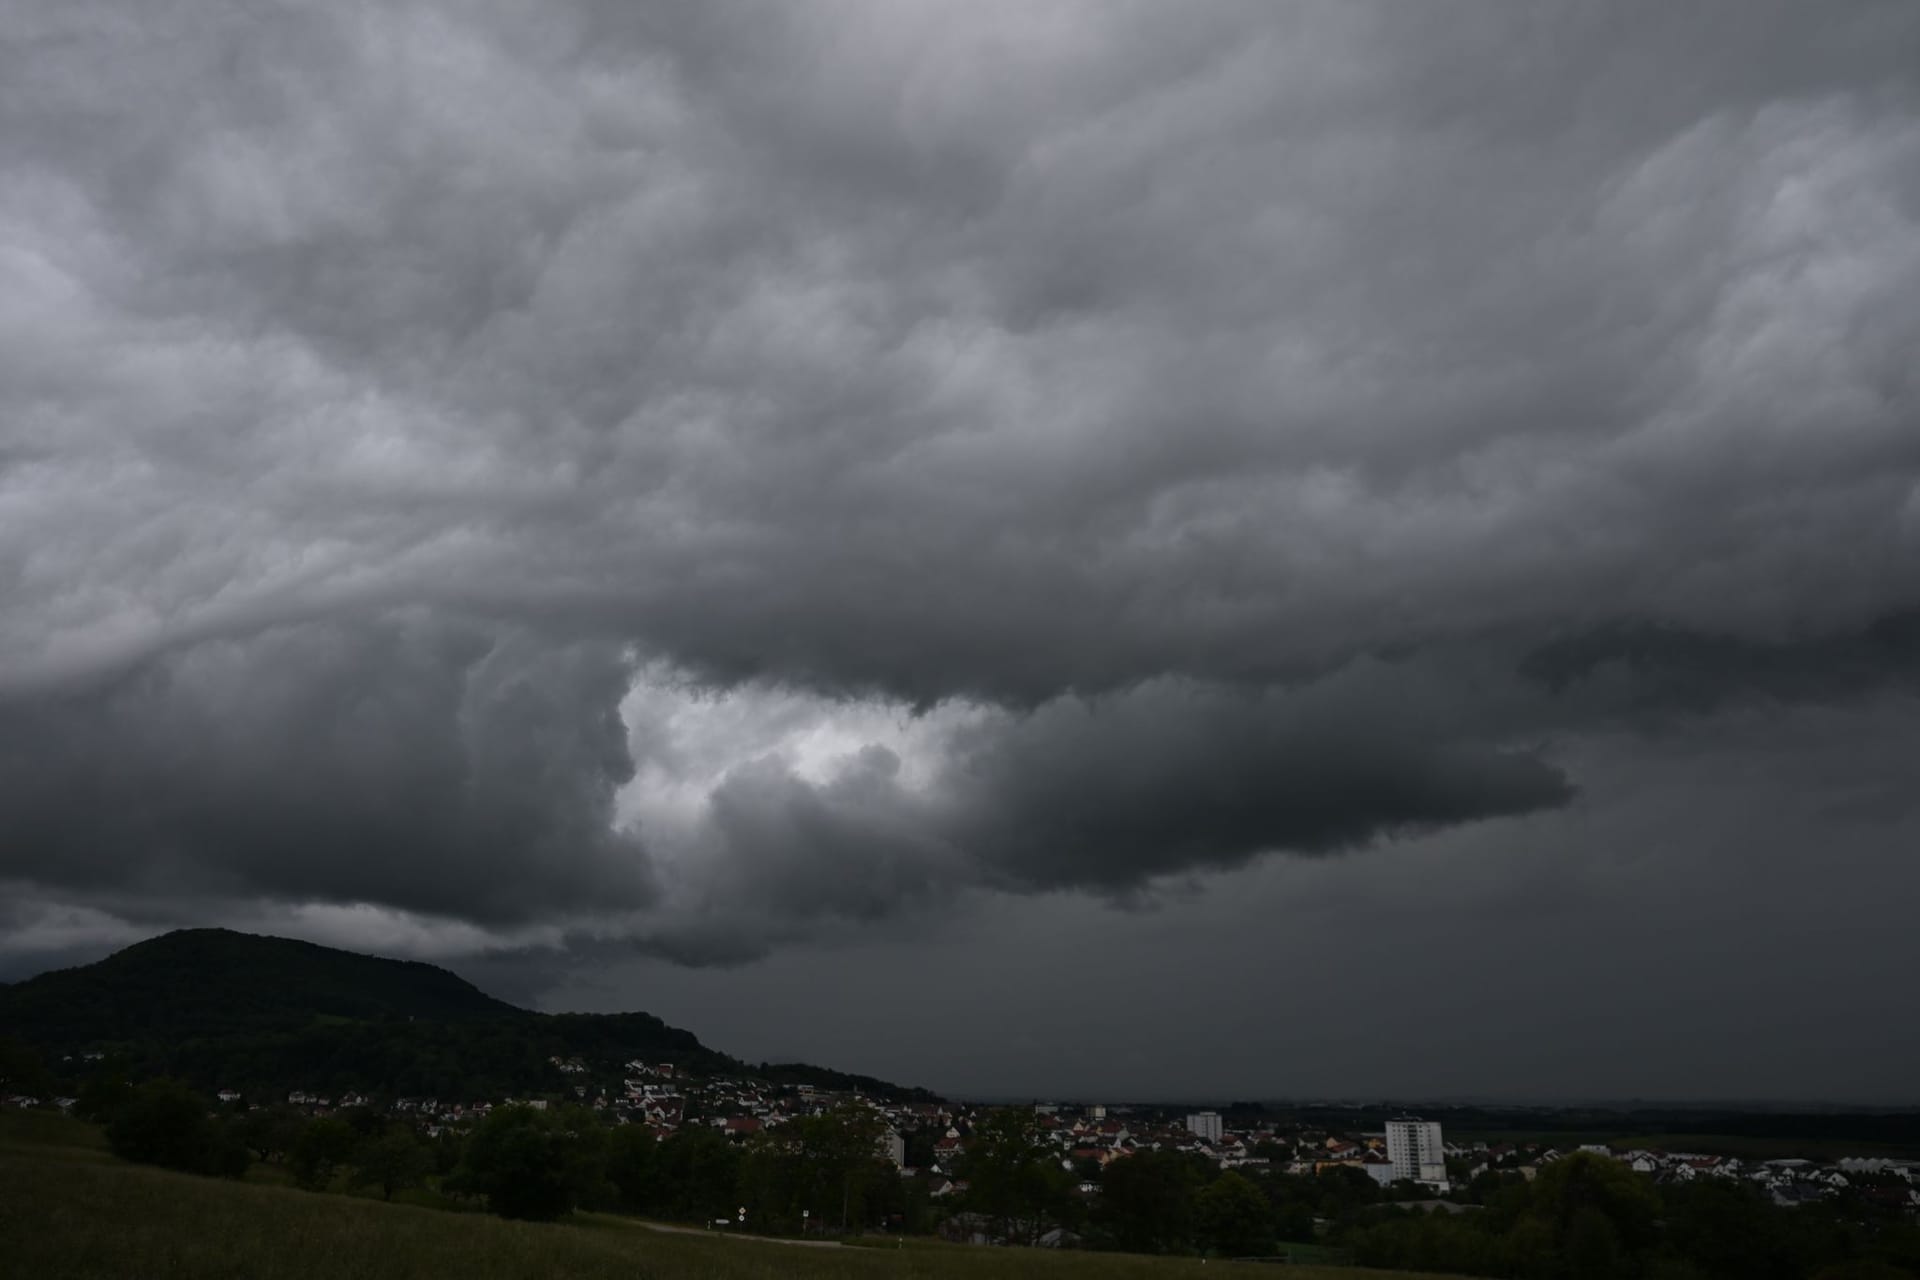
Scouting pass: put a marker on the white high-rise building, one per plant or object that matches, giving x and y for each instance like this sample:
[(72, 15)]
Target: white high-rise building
[(1414, 1147), (893, 1148), (1205, 1124)]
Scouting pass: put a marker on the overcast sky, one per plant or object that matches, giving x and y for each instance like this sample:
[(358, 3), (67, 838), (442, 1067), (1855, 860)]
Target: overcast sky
[(1088, 548)]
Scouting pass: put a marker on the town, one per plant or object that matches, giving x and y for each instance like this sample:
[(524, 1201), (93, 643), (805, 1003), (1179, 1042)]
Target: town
[(927, 1142), (317, 1072), (1087, 1138)]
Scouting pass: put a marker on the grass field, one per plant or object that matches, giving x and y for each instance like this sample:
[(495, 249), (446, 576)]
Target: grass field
[(69, 1210)]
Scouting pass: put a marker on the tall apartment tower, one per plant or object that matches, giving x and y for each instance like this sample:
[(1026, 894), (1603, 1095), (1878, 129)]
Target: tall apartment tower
[(1205, 1124), (1417, 1154)]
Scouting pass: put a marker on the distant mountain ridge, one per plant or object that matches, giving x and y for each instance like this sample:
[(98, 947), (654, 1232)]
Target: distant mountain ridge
[(264, 1015)]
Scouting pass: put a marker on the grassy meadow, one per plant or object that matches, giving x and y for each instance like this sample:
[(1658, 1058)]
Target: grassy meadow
[(69, 1210)]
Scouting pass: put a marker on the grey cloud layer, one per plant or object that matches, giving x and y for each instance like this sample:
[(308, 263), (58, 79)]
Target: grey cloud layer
[(1701, 924), (1102, 794), (410, 763), (379, 386)]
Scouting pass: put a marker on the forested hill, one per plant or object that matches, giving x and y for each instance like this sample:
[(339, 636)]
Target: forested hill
[(198, 983), (265, 1015)]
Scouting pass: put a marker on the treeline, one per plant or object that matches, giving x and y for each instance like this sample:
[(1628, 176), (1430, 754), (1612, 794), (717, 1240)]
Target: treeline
[(486, 1057), (1585, 1217), (165, 1123), (457, 1060), (224, 1010), (821, 1173), (797, 1073), (1866, 1128)]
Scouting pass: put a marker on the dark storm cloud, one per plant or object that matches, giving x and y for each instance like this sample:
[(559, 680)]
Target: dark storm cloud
[(1102, 794), (1173, 778), (1696, 925), (1123, 790), (1653, 669), (409, 762), (1207, 410)]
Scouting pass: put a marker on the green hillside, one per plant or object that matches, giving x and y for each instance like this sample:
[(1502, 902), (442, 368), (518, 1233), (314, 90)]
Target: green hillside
[(72, 1212)]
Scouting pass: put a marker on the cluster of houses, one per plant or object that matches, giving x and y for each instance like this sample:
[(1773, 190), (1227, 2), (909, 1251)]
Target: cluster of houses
[(1787, 1181), (665, 1097), (32, 1102)]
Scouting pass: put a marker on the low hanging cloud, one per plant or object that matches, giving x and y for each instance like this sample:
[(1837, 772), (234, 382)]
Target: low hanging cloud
[(1105, 795), (452, 774), (1223, 433), (774, 837), (430, 767)]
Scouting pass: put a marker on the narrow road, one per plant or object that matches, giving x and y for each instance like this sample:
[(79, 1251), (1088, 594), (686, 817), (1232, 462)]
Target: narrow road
[(727, 1235)]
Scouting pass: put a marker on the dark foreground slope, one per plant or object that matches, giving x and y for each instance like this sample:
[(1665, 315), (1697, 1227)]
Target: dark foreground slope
[(228, 1010)]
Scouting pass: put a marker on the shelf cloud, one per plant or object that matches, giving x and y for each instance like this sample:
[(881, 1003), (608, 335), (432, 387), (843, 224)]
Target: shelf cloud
[(704, 480)]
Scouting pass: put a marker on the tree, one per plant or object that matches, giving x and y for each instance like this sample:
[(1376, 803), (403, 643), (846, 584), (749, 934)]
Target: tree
[(163, 1122), (22, 1071), (774, 1185), (839, 1154), (1146, 1201), (535, 1164), (633, 1166), (1615, 1195), (449, 1149), (1343, 1191), (319, 1150), (102, 1096), (393, 1162), (1014, 1175), (701, 1171), (1233, 1218), (271, 1131), (920, 1142), (1730, 1229), (1593, 1249)]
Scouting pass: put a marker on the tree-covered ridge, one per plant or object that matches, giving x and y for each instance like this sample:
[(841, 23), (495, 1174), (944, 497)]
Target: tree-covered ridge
[(261, 1015), (199, 983), (798, 1073)]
